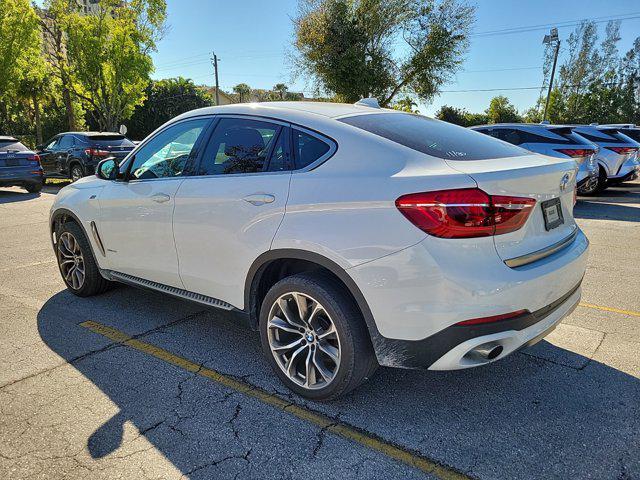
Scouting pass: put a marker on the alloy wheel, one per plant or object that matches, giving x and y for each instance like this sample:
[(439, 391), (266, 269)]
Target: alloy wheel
[(76, 173), (303, 340), (71, 260)]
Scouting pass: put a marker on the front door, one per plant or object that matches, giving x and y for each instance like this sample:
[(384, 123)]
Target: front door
[(228, 213), (48, 156), (136, 214)]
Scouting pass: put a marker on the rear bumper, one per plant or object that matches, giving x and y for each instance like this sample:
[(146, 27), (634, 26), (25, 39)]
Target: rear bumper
[(628, 171), (13, 178), (418, 295)]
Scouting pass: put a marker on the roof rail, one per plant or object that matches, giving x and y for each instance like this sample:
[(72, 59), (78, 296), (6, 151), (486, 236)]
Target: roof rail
[(368, 102)]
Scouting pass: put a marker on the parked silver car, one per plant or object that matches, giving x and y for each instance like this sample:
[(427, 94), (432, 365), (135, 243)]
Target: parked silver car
[(617, 157), (553, 140)]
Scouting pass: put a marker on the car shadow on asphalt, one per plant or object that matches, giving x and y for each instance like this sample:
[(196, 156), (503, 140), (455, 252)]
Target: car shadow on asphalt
[(11, 196), (555, 414)]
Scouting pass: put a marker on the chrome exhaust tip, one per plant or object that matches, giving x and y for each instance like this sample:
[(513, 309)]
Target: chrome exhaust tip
[(485, 352)]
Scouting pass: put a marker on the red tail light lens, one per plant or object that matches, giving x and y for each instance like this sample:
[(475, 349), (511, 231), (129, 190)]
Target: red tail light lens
[(95, 152), (35, 159), (576, 152), (465, 213), (494, 318), (622, 150)]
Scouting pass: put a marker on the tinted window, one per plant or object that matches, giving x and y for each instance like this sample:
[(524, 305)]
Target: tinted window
[(595, 135), (66, 142), (307, 148), (52, 143), (166, 154), (279, 159), (238, 146), (12, 146), (109, 140), (433, 137), (633, 133)]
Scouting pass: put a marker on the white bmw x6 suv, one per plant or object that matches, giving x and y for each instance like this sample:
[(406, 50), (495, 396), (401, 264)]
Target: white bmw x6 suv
[(349, 236)]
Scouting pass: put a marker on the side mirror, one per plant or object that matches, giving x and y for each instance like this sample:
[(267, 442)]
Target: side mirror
[(39, 147), (107, 169)]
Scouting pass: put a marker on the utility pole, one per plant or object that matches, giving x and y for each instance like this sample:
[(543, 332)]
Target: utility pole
[(214, 60), (548, 40)]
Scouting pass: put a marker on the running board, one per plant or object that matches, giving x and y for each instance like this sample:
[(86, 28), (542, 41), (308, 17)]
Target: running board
[(176, 292)]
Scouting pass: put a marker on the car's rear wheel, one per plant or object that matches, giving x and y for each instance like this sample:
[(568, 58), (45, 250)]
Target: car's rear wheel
[(314, 337), (33, 187), (596, 186), (76, 172), (77, 265)]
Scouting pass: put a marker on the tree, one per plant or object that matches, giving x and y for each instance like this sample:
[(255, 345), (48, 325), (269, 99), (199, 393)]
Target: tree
[(406, 104), (281, 89), (109, 56), (457, 116), (19, 53), (502, 111), (351, 48), (243, 90), (165, 99)]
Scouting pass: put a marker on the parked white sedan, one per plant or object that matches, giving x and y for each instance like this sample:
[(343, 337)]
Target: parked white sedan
[(350, 236)]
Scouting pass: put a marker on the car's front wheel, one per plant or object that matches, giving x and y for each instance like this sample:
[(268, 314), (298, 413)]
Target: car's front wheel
[(77, 265), (314, 337)]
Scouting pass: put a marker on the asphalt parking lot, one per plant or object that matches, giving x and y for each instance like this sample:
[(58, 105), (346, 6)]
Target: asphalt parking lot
[(132, 384)]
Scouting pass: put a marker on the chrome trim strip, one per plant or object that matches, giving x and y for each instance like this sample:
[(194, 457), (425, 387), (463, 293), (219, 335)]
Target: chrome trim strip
[(176, 292), (540, 254)]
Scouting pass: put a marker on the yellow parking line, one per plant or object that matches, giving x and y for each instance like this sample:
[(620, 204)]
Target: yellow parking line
[(610, 309), (328, 424)]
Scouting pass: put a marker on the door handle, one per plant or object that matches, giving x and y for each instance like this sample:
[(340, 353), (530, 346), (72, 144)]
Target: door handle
[(160, 198), (259, 198)]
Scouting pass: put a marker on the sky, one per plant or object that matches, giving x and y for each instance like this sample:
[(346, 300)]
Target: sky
[(252, 39)]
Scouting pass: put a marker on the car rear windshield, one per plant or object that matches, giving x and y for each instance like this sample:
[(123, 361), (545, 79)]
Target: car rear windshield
[(12, 146), (110, 140), (633, 133), (608, 135), (433, 137)]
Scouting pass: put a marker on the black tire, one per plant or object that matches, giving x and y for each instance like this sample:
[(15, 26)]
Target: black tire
[(93, 283), (76, 172), (33, 187), (598, 187), (357, 358)]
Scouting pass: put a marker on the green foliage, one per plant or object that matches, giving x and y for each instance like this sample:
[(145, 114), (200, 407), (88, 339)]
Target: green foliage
[(165, 99), (350, 47), (406, 104), (457, 116), (108, 56), (244, 91), (502, 111)]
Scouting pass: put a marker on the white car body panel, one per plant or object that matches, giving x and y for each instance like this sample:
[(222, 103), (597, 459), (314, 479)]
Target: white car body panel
[(218, 234)]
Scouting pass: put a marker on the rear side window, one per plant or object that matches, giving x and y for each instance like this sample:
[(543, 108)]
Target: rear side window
[(66, 142), (12, 146), (605, 136), (110, 141), (433, 137), (633, 133), (307, 148)]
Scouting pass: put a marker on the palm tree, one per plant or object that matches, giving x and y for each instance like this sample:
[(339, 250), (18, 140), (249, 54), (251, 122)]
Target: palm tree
[(281, 88), (243, 90)]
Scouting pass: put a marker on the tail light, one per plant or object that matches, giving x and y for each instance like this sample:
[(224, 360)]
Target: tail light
[(494, 318), (96, 152), (576, 152), (465, 213), (35, 159), (622, 150)]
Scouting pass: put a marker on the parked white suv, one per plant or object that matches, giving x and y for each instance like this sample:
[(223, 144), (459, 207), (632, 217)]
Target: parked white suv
[(350, 236)]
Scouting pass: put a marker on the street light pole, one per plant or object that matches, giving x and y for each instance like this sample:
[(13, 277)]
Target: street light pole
[(549, 39)]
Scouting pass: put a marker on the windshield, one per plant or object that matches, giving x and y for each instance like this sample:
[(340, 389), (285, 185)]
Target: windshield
[(434, 137)]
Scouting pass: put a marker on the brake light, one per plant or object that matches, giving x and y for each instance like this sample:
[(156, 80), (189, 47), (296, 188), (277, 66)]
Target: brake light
[(34, 158), (622, 150), (576, 152), (96, 152), (465, 213), (494, 318)]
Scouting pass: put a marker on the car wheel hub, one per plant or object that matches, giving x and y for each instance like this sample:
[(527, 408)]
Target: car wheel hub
[(71, 260), (303, 340)]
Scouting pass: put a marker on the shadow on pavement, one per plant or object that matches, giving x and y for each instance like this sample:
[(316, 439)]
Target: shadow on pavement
[(523, 417), (11, 196)]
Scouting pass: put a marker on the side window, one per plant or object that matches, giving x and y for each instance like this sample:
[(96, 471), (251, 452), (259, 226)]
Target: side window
[(52, 144), (512, 136), (166, 154), (307, 148), (238, 146), (65, 143), (279, 160)]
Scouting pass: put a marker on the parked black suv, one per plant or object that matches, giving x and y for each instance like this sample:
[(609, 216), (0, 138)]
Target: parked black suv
[(75, 154)]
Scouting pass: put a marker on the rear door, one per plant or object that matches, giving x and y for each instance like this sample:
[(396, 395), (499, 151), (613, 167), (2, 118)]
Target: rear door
[(63, 150), (228, 213)]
